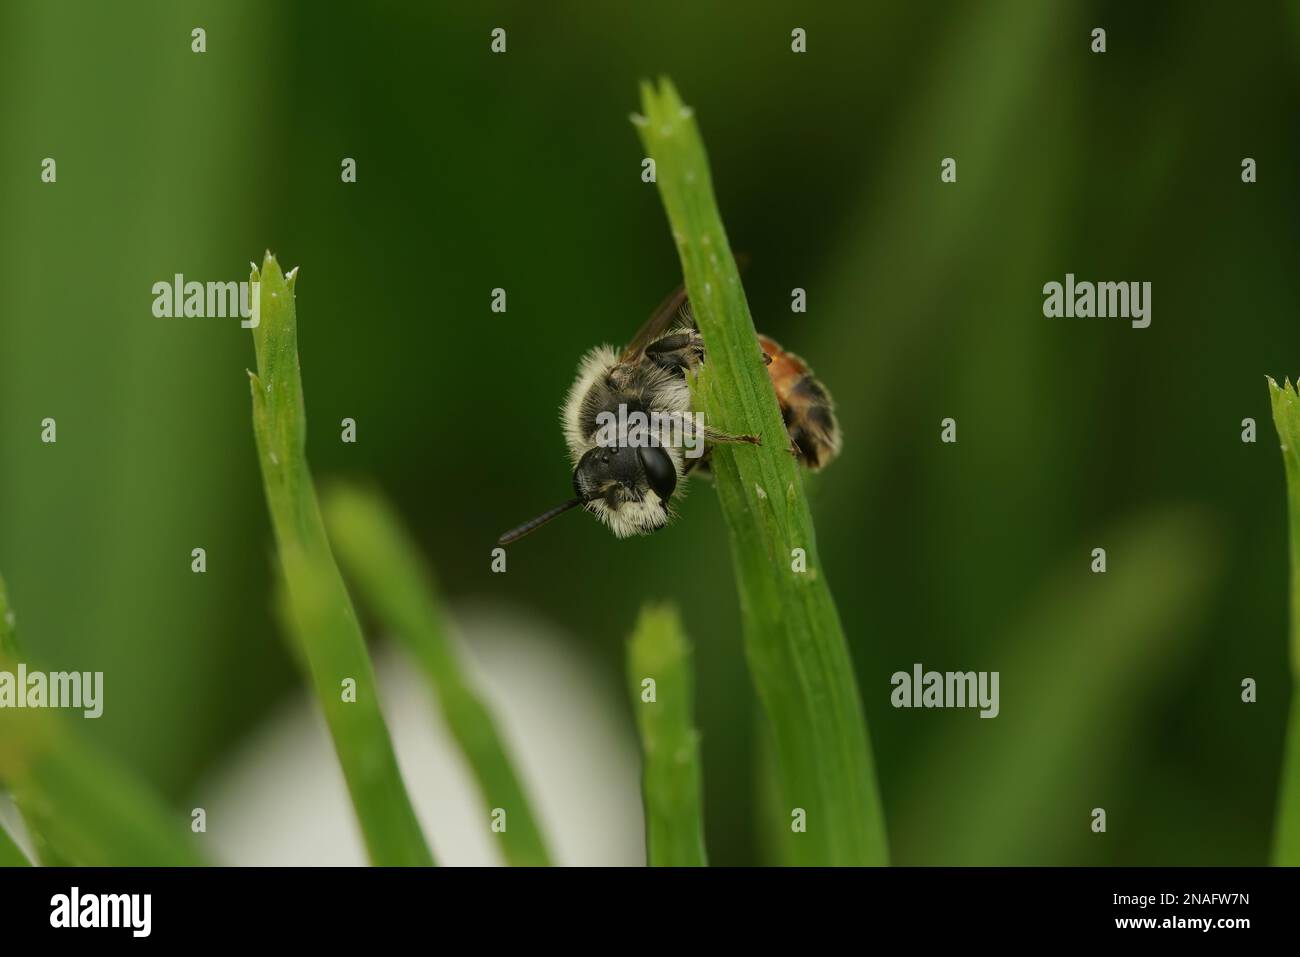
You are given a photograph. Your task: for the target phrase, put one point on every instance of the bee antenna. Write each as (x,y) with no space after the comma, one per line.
(533,525)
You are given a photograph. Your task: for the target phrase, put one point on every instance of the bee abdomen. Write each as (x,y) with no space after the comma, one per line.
(806,406)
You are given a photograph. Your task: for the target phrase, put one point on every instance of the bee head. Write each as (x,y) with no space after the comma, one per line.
(626,486)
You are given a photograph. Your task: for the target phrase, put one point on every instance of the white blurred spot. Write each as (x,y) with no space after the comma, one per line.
(282,800)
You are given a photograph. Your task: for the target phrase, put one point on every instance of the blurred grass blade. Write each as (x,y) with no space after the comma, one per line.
(321,609)
(670,783)
(79,807)
(90,812)
(795,644)
(10,854)
(386,567)
(1286,417)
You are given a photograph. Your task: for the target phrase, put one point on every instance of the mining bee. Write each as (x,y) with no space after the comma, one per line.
(632,436)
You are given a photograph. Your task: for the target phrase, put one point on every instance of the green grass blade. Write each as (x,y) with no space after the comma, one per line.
(322,612)
(386,567)
(794,641)
(1286,417)
(1286,828)
(670,783)
(80,807)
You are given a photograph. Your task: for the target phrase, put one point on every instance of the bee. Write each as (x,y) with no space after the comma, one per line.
(633,439)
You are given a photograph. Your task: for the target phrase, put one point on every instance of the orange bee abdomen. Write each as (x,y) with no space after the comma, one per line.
(785,368)
(806,406)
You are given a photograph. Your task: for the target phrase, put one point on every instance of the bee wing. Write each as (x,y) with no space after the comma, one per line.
(673,310)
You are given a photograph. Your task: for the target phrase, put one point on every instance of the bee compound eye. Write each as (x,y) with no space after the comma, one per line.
(659,470)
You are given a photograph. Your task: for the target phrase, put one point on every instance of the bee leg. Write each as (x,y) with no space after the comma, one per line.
(672,343)
(726,438)
(677,353)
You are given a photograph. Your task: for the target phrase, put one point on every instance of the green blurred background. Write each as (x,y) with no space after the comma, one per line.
(522,171)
